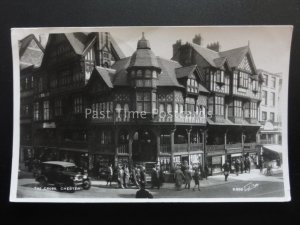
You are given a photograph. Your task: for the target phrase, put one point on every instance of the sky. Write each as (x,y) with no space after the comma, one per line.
(270,45)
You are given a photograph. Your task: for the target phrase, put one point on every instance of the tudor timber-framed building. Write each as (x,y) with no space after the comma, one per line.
(76,74)
(235,94)
(83,72)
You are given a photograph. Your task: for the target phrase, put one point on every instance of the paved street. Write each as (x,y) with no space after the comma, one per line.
(244,185)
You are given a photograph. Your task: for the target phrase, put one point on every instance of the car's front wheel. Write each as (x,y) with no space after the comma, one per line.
(86,185)
(43,182)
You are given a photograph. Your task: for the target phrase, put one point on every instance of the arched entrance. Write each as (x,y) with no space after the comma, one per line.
(144,146)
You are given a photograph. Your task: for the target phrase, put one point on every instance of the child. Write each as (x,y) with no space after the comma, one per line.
(196,178)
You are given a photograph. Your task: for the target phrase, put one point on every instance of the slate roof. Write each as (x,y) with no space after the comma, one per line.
(143,58)
(106,75)
(30,57)
(217,59)
(79,41)
(235,56)
(167,77)
(185,71)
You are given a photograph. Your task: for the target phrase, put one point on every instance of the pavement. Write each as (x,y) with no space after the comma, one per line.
(254,184)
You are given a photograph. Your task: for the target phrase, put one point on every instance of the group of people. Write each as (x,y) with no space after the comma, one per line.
(240,165)
(185,174)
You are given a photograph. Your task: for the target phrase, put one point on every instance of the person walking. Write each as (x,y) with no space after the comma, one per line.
(188,177)
(242,165)
(120,177)
(142,176)
(237,166)
(196,178)
(126,176)
(206,171)
(156,177)
(135,176)
(109,175)
(226,169)
(179,178)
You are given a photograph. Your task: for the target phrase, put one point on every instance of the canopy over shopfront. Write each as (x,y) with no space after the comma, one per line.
(272,152)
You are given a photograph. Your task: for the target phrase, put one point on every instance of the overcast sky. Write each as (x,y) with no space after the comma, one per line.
(270,45)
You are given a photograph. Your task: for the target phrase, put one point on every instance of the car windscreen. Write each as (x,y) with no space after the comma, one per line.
(72,169)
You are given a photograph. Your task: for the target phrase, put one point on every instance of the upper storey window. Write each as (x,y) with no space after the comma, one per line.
(220,77)
(192,85)
(148,74)
(139,73)
(243,79)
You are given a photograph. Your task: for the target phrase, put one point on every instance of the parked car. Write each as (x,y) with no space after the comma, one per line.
(65,176)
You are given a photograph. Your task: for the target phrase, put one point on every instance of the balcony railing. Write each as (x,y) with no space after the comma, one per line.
(123,149)
(210,148)
(196,147)
(181,147)
(235,145)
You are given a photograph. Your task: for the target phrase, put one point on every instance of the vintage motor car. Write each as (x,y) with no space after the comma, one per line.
(65,176)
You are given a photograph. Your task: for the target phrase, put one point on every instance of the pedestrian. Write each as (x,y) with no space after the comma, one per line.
(237,166)
(142,176)
(188,177)
(143,193)
(120,176)
(126,176)
(248,164)
(179,178)
(206,171)
(196,178)
(156,177)
(135,176)
(261,165)
(226,169)
(242,165)
(109,175)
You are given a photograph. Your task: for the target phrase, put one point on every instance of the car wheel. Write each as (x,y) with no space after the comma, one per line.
(86,185)
(71,188)
(58,187)
(43,182)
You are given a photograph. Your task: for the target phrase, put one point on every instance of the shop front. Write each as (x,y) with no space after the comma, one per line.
(215,164)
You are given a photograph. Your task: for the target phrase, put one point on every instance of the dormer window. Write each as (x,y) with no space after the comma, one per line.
(192,85)
(220,77)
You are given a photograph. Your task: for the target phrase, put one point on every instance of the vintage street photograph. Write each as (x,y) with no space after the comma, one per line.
(151,114)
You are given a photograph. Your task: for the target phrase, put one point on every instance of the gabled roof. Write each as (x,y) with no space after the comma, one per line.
(26,41)
(235,56)
(208,54)
(29,56)
(185,71)
(105,75)
(79,41)
(217,59)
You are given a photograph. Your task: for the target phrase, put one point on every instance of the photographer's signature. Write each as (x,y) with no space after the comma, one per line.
(248,187)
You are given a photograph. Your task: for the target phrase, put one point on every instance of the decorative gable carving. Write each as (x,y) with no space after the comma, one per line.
(245,65)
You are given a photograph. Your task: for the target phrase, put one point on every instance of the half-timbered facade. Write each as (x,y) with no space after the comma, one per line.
(235,94)
(93,106)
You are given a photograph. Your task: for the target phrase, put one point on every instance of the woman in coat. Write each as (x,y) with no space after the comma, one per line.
(126,176)
(179,178)
(188,177)
(120,177)
(197,179)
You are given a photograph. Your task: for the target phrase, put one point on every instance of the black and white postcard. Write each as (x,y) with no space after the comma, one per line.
(151,114)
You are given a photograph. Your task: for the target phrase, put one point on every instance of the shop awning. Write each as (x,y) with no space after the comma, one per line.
(273,148)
